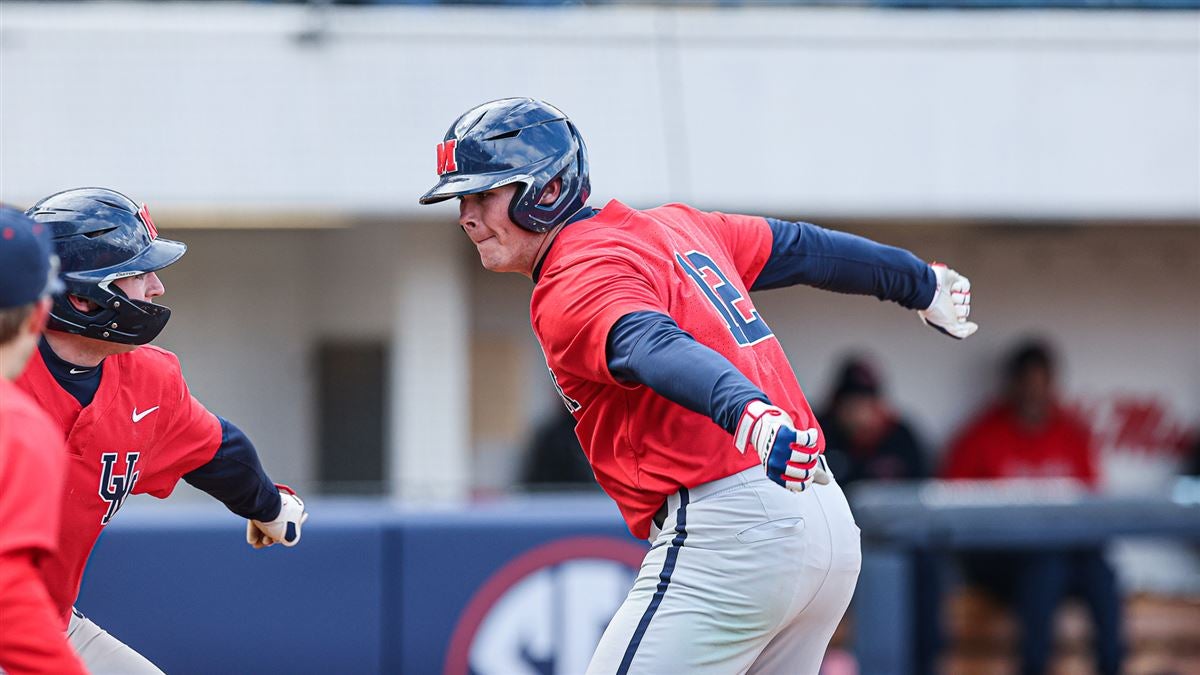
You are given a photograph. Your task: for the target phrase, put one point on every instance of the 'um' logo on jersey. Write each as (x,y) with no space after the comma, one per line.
(114,487)
(735,309)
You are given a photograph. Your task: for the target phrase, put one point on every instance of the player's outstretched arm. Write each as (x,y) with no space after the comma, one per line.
(651,349)
(809,255)
(803,253)
(235,476)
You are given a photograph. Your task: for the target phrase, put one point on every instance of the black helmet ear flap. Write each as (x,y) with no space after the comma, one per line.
(543,213)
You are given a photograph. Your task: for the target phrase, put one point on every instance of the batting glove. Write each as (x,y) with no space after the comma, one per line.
(951,304)
(785,453)
(285,529)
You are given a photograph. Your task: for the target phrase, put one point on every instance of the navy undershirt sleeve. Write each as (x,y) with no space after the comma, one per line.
(650,348)
(802,253)
(236,477)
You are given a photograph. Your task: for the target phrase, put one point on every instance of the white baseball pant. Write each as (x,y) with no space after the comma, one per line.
(743,577)
(102,653)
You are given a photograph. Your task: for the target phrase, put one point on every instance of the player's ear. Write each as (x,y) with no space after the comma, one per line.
(85,306)
(551,192)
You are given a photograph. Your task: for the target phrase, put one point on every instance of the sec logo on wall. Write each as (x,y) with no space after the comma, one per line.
(543,612)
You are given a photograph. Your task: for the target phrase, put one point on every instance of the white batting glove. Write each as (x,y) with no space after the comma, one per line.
(951,304)
(285,529)
(783,451)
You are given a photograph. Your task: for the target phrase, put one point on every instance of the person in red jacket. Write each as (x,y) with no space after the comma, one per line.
(1027,433)
(33,460)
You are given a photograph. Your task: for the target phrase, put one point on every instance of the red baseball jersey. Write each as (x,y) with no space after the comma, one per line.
(140,434)
(695,267)
(33,464)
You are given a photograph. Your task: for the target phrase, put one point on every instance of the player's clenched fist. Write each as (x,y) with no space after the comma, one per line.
(951,304)
(785,453)
(285,529)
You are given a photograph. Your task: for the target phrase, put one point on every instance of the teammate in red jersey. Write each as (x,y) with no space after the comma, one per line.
(681,392)
(131,425)
(33,460)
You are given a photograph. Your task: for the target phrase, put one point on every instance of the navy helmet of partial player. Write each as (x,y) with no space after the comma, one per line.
(100,236)
(515,140)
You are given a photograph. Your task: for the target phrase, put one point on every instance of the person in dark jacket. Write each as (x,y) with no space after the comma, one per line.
(865,438)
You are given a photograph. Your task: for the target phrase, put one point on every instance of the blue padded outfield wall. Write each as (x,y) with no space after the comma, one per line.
(514,587)
(523,587)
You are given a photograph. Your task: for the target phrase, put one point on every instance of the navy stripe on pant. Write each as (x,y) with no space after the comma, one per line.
(664,580)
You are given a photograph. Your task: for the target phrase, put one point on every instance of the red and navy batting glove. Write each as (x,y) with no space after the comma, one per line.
(285,529)
(787,454)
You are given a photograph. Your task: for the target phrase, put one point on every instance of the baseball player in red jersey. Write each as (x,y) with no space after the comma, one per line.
(33,460)
(685,403)
(132,427)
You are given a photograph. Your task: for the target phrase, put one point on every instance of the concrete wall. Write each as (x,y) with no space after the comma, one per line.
(831,111)
(1119,301)
(250,308)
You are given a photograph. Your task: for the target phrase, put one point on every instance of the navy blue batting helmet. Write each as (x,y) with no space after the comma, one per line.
(515,140)
(101,236)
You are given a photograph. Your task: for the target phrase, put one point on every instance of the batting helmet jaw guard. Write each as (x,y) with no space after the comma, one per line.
(515,140)
(100,236)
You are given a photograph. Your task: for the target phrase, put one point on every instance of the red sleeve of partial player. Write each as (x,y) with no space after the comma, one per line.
(191,441)
(32,639)
(576,303)
(749,239)
(33,464)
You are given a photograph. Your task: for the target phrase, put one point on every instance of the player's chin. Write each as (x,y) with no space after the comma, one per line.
(492,263)
(118,348)
(112,348)
(494,260)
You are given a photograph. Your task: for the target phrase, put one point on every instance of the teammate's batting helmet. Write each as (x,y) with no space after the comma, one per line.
(101,236)
(515,140)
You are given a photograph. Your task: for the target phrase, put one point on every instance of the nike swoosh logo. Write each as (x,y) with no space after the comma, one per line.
(137,416)
(75,371)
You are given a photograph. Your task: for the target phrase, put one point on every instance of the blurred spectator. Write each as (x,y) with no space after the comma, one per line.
(1027,433)
(1191,463)
(866,439)
(555,457)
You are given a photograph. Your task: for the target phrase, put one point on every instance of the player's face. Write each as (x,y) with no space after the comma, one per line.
(143,287)
(90,351)
(502,244)
(1033,393)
